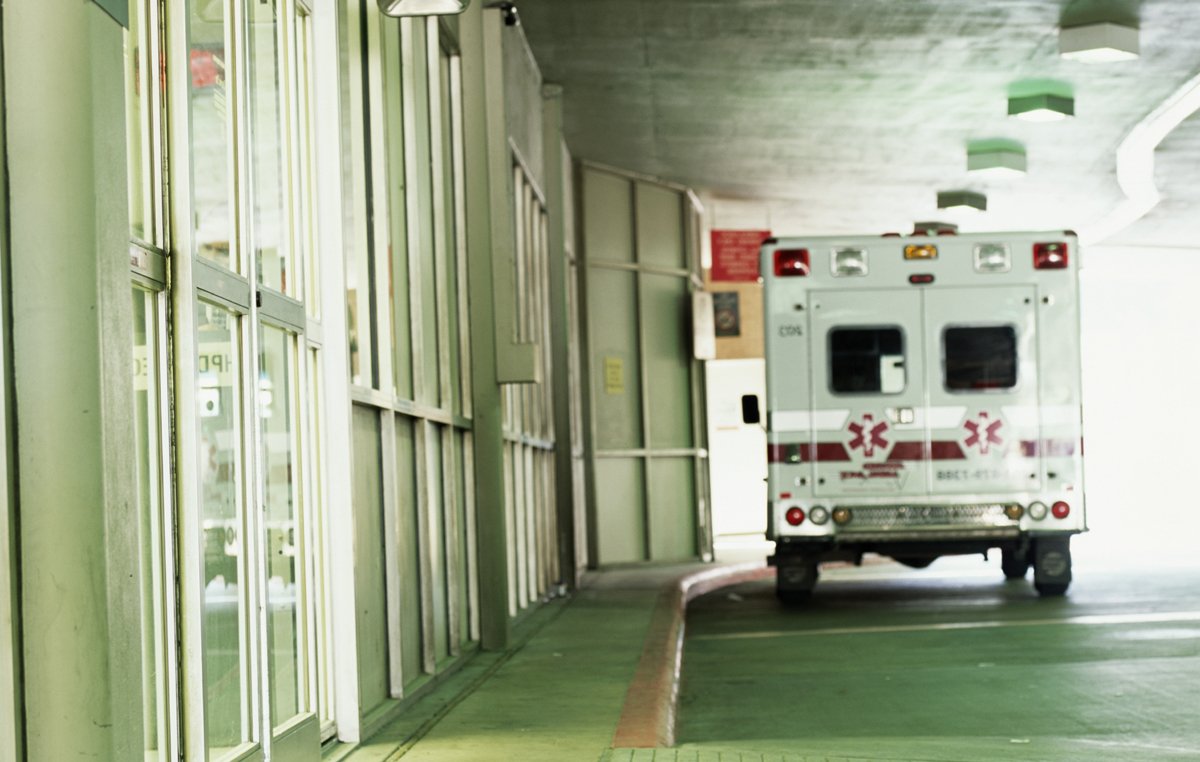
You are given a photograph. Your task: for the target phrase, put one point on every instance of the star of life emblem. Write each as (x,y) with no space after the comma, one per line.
(868,435)
(983,432)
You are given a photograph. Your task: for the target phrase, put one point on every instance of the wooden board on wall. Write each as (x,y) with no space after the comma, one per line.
(749,344)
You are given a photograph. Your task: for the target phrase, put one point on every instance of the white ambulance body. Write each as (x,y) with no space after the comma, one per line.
(923,399)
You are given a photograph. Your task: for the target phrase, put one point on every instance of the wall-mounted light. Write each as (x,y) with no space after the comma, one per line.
(1044,107)
(996,158)
(962,199)
(1098,43)
(423,7)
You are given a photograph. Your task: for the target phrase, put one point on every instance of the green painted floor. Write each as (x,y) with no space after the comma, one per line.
(947,664)
(557,698)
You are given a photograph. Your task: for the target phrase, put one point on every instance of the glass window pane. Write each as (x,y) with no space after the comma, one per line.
(306,252)
(980,357)
(211,130)
(450,231)
(866,360)
(402,360)
(146,380)
(425,224)
(137,109)
(221,513)
(276,411)
(270,228)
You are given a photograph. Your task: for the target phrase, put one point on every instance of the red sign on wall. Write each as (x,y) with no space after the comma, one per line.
(735,254)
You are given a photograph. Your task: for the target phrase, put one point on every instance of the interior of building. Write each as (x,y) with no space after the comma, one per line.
(374,377)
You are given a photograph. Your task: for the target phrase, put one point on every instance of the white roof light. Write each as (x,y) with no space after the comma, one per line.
(962,199)
(1098,43)
(422,7)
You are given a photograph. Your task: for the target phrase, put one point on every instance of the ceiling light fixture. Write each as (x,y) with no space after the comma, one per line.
(996,158)
(962,199)
(423,7)
(1044,107)
(1098,43)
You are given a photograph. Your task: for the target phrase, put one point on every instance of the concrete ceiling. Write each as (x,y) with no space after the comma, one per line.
(849,115)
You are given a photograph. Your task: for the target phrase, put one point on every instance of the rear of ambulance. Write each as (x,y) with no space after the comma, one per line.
(923,399)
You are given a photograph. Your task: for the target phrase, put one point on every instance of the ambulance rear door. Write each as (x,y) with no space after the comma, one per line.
(982,378)
(867,360)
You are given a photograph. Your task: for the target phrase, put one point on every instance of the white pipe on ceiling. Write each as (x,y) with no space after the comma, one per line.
(1135,162)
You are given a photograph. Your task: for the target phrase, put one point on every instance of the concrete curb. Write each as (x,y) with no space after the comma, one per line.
(652,702)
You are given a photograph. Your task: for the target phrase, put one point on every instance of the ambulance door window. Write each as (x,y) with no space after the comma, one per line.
(980,357)
(866,360)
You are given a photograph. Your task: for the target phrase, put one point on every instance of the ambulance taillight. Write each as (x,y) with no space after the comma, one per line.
(1060,510)
(794,516)
(791,262)
(1049,256)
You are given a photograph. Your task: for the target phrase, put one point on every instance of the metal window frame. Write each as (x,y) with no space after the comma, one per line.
(691,211)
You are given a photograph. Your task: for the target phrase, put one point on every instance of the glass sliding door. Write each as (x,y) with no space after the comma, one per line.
(244,220)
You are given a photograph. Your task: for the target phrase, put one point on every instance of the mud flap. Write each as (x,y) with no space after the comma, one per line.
(1052,564)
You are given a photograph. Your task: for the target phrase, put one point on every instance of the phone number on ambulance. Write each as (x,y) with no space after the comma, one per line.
(964,474)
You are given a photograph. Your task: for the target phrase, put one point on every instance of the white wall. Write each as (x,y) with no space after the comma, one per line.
(737,457)
(1141,373)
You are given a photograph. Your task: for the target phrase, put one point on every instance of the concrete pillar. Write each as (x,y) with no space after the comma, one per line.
(72,380)
(495,629)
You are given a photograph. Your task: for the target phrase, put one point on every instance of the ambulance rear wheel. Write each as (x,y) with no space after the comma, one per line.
(794,581)
(1015,565)
(1052,564)
(1051,589)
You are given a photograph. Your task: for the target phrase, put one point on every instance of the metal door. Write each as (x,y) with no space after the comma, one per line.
(868,433)
(983,389)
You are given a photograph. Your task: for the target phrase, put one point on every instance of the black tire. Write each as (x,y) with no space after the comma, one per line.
(793,597)
(794,581)
(1051,589)
(916,562)
(1015,565)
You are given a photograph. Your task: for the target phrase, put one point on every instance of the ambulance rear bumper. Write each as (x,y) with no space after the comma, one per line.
(952,541)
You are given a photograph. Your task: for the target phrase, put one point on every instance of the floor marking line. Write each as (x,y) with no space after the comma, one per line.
(1091,619)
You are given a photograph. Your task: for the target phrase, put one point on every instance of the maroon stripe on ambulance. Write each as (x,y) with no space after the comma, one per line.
(806,453)
(777,453)
(826,451)
(907,451)
(946,451)
(1048,447)
(918,451)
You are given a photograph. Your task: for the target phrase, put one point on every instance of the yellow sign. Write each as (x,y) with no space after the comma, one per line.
(614,375)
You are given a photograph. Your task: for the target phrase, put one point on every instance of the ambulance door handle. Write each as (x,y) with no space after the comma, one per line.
(901,414)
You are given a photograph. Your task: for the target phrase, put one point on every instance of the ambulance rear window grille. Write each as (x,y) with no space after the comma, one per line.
(887,516)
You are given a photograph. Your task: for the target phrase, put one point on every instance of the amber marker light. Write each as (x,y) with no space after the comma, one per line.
(1014,511)
(920,251)
(841,516)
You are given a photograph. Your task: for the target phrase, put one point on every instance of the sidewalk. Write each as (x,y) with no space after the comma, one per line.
(559,694)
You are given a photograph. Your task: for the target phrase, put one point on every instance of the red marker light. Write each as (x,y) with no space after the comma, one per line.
(791,262)
(1060,510)
(794,516)
(1049,256)
(918,279)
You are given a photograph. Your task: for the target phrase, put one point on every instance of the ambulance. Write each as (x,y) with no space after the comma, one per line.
(923,400)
